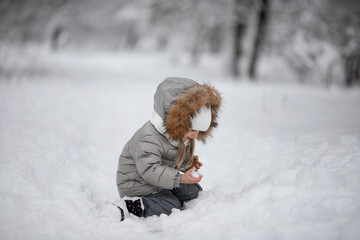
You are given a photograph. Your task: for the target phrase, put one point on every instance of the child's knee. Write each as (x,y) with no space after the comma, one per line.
(162,203)
(171,202)
(194,190)
(168,205)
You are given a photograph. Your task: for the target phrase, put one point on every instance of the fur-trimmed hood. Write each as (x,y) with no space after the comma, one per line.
(177,99)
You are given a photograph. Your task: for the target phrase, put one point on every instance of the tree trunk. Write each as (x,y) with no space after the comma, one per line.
(259,38)
(239,30)
(238,27)
(352,69)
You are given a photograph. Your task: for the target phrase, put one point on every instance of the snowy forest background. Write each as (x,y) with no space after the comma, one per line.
(77,79)
(311,41)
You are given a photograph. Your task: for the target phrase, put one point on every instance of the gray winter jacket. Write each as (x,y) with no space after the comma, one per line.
(147,162)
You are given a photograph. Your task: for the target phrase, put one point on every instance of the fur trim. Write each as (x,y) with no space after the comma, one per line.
(186,105)
(158,123)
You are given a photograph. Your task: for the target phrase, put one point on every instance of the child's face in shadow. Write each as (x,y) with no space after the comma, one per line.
(190,135)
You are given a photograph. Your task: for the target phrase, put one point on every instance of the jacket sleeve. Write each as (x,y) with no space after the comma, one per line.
(148,160)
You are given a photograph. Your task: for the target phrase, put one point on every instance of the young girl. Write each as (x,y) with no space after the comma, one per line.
(155,167)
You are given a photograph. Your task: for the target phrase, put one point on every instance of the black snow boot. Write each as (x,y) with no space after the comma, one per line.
(129,205)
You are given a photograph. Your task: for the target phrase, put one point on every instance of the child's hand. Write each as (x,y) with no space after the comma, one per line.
(197,164)
(186,178)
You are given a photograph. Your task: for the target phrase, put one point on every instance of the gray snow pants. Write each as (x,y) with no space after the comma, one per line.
(165,200)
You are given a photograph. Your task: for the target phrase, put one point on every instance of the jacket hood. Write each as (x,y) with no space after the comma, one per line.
(178,99)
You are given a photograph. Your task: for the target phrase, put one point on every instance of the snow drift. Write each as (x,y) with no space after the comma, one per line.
(283,164)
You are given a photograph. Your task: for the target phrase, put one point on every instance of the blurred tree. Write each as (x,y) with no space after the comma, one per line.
(314,36)
(344,32)
(25,21)
(239,27)
(339,24)
(352,69)
(192,25)
(306,38)
(260,36)
(239,23)
(57,37)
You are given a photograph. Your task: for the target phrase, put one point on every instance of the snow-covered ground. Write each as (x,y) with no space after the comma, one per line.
(283,164)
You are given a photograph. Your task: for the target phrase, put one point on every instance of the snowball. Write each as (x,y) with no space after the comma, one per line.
(195,174)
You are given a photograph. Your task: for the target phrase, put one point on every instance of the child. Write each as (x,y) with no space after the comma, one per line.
(154,171)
